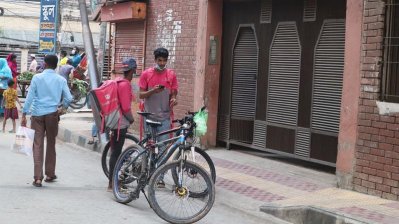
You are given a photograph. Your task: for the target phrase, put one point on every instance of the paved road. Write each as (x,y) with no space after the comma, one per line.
(79,195)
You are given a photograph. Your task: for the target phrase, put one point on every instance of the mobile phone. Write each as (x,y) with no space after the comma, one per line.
(161,86)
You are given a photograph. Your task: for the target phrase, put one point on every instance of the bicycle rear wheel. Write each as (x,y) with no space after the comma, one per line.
(125,181)
(106,154)
(79,99)
(173,203)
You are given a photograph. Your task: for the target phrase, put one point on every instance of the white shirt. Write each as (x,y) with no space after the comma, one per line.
(33,65)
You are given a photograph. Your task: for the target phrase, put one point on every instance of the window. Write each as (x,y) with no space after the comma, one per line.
(390,81)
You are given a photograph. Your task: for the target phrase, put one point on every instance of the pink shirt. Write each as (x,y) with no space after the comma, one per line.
(158,103)
(150,78)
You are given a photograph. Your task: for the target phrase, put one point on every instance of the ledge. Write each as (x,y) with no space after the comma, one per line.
(385,108)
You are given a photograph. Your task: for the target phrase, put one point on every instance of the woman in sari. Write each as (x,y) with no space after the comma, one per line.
(5,75)
(12,64)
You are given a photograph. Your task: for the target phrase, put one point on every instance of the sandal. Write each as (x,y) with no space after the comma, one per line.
(91,142)
(50,179)
(36,183)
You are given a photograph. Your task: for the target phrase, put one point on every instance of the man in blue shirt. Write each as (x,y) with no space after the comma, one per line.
(76,57)
(45,94)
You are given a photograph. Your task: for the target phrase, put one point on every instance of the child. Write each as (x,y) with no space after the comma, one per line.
(10,111)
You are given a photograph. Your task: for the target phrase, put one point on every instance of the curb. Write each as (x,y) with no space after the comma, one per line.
(66,135)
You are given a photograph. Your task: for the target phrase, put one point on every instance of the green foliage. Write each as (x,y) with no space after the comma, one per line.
(26,76)
(80,85)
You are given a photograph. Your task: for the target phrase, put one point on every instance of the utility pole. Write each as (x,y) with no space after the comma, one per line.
(89,46)
(102,50)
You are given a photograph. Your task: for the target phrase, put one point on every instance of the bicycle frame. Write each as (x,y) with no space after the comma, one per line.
(167,153)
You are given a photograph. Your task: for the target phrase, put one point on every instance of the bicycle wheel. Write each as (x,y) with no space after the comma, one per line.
(106,154)
(79,100)
(125,181)
(199,157)
(174,204)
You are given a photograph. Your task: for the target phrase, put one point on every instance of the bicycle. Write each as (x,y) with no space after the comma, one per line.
(198,155)
(79,90)
(183,180)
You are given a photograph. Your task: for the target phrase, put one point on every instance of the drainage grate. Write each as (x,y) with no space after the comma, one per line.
(308,215)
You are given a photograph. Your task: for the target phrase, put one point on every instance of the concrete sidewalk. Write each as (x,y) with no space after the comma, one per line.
(249,181)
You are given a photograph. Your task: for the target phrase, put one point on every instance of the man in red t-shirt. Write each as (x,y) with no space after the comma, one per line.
(158,88)
(125,99)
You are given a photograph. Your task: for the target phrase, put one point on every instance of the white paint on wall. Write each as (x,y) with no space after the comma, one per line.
(385,108)
(168,31)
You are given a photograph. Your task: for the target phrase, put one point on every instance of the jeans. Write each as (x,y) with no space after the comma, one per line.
(116,147)
(94,130)
(165,126)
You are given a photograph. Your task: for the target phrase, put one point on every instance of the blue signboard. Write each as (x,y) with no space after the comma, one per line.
(48,26)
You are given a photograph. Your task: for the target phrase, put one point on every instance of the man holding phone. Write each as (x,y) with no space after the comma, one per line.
(158,88)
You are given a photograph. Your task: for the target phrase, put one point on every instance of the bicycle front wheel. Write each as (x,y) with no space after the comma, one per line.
(199,157)
(106,154)
(171,201)
(126,176)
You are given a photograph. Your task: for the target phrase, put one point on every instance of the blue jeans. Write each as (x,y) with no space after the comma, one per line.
(165,126)
(94,130)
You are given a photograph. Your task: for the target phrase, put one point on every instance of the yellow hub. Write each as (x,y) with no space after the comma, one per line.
(181,191)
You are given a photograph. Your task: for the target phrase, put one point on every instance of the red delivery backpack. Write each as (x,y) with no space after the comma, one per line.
(105,106)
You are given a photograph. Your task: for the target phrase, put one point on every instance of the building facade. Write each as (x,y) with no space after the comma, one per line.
(376,162)
(310,79)
(19,29)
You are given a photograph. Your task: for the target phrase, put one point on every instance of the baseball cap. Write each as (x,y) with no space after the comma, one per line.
(129,64)
(33,55)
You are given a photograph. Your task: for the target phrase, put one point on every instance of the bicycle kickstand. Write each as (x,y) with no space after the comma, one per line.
(145,195)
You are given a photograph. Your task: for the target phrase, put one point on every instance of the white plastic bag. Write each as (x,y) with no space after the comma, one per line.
(24,141)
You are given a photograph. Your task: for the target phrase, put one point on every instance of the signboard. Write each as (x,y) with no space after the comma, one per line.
(48,26)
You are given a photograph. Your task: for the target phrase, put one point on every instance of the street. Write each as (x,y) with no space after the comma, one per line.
(79,195)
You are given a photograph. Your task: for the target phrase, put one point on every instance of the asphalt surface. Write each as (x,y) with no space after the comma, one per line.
(79,195)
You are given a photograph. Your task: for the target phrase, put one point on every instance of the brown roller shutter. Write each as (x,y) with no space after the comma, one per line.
(129,42)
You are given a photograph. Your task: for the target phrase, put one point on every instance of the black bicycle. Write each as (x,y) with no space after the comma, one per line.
(193,153)
(179,191)
(106,154)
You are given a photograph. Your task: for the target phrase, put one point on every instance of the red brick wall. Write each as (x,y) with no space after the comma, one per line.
(173,24)
(377,155)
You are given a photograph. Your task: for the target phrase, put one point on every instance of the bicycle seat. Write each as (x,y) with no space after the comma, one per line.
(152,123)
(144,114)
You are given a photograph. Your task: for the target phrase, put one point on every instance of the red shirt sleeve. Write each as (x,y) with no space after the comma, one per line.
(143,84)
(174,84)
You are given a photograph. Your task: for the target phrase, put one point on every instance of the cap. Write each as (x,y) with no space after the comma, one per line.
(129,64)
(33,55)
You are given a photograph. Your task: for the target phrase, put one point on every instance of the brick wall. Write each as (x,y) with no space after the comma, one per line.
(173,24)
(377,154)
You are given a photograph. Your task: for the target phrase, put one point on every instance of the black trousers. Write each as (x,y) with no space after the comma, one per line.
(116,148)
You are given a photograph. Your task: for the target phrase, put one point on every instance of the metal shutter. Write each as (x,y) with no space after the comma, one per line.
(129,42)
(285,63)
(328,74)
(266,11)
(309,10)
(259,139)
(4,52)
(224,127)
(245,70)
(302,142)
